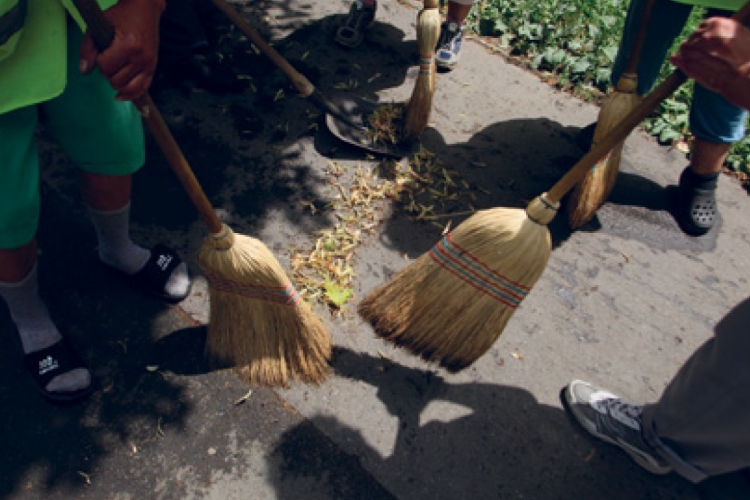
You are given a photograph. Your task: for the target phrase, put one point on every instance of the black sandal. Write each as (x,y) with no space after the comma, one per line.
(696,202)
(153,277)
(53,361)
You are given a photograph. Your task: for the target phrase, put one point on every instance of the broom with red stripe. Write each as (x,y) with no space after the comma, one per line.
(452,303)
(258,323)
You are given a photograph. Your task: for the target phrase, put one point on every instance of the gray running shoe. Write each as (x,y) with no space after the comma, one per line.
(615,421)
(360,19)
(449,45)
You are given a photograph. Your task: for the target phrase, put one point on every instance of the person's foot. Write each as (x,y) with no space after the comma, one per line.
(449,45)
(360,18)
(59,374)
(162,274)
(613,420)
(696,210)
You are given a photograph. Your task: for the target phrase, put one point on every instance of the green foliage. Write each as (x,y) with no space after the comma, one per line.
(576,41)
(336,295)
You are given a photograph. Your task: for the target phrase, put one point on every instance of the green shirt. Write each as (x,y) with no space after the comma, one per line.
(731,5)
(35,70)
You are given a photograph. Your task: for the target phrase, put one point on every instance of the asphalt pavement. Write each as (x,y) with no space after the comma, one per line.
(623,301)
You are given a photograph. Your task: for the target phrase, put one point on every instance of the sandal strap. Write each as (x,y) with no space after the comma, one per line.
(52,361)
(158,269)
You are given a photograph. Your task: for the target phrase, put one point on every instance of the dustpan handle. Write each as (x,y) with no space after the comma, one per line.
(299,81)
(103,34)
(623,129)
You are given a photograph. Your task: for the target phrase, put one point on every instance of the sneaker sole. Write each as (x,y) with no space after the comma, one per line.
(569,402)
(444,65)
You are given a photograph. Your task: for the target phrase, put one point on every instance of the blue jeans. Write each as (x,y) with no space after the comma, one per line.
(712,118)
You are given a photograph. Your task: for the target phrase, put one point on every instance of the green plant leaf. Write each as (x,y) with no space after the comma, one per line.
(336,295)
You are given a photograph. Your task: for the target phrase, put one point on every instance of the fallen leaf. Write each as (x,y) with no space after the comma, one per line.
(336,295)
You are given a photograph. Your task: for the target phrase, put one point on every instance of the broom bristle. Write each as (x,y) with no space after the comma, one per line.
(258,322)
(591,193)
(420,105)
(452,303)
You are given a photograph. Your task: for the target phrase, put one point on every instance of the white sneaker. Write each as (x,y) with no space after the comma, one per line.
(615,421)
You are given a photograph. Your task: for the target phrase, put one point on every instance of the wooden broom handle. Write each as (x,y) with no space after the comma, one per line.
(640,37)
(299,81)
(621,131)
(103,34)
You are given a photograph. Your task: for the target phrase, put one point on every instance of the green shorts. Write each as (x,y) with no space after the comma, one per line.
(98,133)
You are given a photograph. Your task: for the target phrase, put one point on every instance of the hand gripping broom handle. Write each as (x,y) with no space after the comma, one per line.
(628,123)
(302,84)
(103,34)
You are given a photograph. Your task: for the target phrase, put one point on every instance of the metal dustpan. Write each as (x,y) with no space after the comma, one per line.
(355,129)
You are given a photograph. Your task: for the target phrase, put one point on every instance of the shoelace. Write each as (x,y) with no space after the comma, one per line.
(448,34)
(616,412)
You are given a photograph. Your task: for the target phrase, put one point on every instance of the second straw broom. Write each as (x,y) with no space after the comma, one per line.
(452,303)
(258,322)
(419,107)
(594,189)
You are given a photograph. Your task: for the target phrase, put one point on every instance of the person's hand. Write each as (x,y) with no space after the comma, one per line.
(130,60)
(717,56)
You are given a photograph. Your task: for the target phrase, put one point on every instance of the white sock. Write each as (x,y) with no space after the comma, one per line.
(36,329)
(116,249)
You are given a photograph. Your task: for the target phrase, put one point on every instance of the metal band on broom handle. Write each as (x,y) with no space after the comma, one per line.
(103,34)
(623,129)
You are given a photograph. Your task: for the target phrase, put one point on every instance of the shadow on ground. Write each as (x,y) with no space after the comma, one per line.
(56,448)
(509,163)
(507,444)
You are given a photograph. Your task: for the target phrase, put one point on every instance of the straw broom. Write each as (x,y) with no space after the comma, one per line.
(452,303)
(591,193)
(258,323)
(419,106)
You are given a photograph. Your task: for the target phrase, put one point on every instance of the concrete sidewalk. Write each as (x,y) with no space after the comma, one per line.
(623,302)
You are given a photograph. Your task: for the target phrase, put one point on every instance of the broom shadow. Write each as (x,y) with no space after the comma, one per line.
(482,444)
(183,352)
(504,167)
(641,209)
(515,170)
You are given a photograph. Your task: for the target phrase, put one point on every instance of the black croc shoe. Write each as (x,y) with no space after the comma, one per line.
(696,202)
